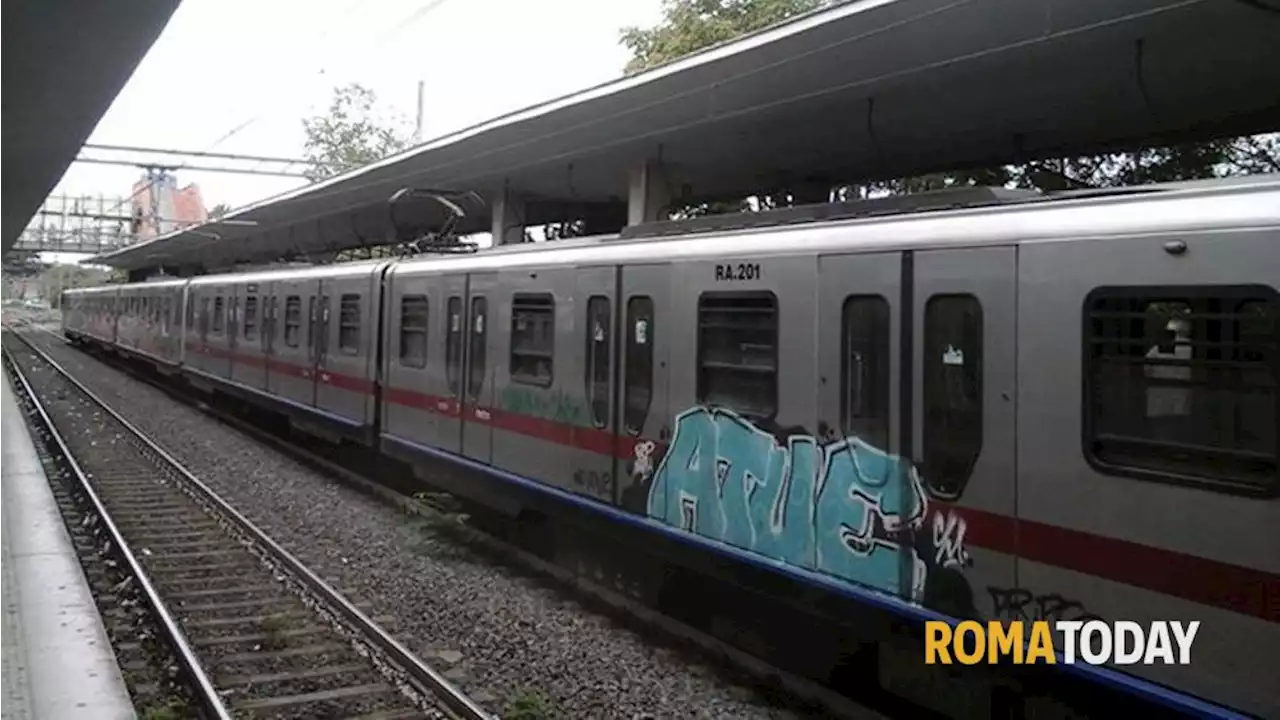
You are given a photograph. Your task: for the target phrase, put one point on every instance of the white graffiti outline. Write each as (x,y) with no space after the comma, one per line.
(948,540)
(899,526)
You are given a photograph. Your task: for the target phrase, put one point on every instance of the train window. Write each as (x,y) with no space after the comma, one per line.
(272,321)
(189,306)
(479,335)
(597,368)
(738,352)
(204,317)
(251,317)
(313,326)
(453,347)
(292,320)
(952,392)
(864,369)
(349,324)
(217,315)
(1181,384)
(413,330)
(533,320)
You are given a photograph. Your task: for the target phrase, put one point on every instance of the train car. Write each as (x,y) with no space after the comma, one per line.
(1028,409)
(302,341)
(1036,410)
(149,326)
(83,310)
(89,314)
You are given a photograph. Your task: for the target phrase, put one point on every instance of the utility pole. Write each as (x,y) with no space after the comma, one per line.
(417,128)
(153,176)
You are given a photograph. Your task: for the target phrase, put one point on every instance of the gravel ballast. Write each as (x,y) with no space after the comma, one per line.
(493,630)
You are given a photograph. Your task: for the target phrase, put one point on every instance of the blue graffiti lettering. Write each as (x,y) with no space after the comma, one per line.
(843,508)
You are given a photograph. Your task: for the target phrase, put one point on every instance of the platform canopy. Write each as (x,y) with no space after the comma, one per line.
(64,63)
(863,90)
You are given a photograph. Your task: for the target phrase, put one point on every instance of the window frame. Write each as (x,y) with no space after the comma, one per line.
(599,417)
(878,371)
(424,312)
(454,338)
(700,389)
(1241,293)
(477,351)
(296,325)
(546,305)
(931,474)
(647,380)
(250,320)
(345,325)
(219,315)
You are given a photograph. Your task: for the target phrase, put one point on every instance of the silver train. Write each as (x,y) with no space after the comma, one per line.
(1052,408)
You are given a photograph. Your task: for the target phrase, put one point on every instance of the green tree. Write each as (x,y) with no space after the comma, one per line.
(349,135)
(59,277)
(691,25)
(218,211)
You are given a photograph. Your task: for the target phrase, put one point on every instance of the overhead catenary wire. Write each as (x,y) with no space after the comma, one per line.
(409,20)
(198,153)
(200,168)
(360,50)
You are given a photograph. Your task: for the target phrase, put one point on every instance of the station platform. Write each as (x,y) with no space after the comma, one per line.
(58,662)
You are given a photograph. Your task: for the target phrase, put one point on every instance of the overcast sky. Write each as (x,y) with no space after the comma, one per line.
(263,66)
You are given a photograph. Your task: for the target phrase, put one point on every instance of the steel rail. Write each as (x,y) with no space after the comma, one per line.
(207,694)
(426,680)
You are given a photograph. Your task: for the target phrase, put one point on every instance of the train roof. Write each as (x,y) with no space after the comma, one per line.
(316,272)
(1006,219)
(965,216)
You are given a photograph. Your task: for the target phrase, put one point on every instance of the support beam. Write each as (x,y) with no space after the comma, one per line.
(509,213)
(648,195)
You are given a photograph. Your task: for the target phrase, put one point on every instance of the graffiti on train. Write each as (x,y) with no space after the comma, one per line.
(842,507)
(1025,605)
(593,482)
(552,405)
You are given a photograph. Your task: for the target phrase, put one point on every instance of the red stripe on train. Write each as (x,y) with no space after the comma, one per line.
(1239,589)
(1232,587)
(1209,582)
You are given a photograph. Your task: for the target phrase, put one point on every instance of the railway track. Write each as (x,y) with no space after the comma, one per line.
(446,515)
(256,634)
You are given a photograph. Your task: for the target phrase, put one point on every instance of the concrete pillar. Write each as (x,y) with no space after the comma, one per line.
(508,218)
(648,194)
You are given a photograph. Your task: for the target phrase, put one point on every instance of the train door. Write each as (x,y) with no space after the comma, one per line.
(235,305)
(592,366)
(343,378)
(291,370)
(414,402)
(270,326)
(964,424)
(858,431)
(318,312)
(268,307)
(453,288)
(221,329)
(477,405)
(248,366)
(644,346)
